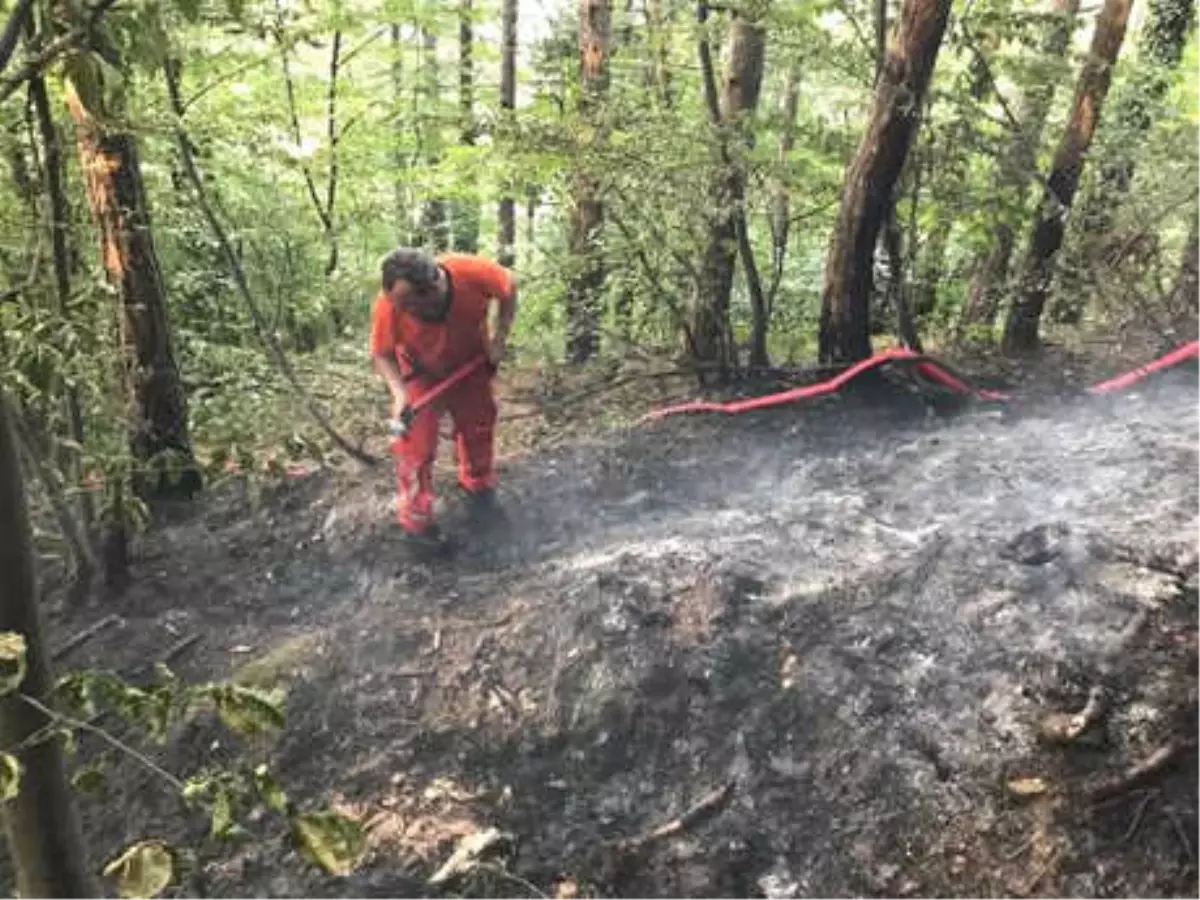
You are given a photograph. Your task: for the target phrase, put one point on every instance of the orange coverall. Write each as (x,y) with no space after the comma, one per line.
(427,353)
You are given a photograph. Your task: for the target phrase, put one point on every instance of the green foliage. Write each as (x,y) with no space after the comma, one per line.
(10,777)
(330,840)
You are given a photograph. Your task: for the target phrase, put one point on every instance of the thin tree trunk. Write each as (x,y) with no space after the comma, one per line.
(871,178)
(660,38)
(1135,107)
(60,224)
(466,210)
(171,72)
(1017,168)
(1186,291)
(399,191)
(333,136)
(508,103)
(728,232)
(434,227)
(40,823)
(587,214)
(781,204)
(1021,328)
(117,198)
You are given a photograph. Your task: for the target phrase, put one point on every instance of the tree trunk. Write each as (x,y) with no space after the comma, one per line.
(587,215)
(40,823)
(1186,291)
(660,42)
(399,191)
(466,210)
(508,103)
(112,171)
(728,234)
(434,227)
(333,136)
(871,179)
(781,203)
(60,225)
(1134,109)
(1021,329)
(1017,169)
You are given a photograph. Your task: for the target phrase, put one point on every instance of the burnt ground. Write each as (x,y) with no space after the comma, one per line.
(856,615)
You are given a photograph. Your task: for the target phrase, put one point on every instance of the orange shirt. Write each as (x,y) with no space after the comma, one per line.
(433,350)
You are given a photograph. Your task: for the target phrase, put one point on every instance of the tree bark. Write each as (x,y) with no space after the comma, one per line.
(728,234)
(466,210)
(871,178)
(41,825)
(1021,328)
(1017,169)
(112,171)
(508,103)
(587,214)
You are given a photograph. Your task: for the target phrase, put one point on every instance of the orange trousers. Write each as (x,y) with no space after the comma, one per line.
(472,409)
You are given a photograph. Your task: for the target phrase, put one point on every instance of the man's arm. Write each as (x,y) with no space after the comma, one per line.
(504,320)
(389,370)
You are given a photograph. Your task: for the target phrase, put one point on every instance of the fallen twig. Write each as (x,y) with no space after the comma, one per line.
(705,808)
(1138,815)
(1151,765)
(1180,832)
(84,636)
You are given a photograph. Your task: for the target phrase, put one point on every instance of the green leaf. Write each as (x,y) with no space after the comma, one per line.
(12,661)
(196,788)
(222,813)
(89,780)
(248,711)
(332,841)
(269,790)
(143,870)
(11,771)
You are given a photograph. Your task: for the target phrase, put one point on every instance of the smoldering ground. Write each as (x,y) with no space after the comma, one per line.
(854,619)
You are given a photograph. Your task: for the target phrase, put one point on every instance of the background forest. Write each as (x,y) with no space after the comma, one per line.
(196,196)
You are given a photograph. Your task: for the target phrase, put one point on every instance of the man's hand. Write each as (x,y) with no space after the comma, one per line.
(399,407)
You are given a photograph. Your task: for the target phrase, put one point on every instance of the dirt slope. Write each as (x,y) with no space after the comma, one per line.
(839,611)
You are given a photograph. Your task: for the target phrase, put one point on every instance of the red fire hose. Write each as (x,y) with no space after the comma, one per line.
(930,368)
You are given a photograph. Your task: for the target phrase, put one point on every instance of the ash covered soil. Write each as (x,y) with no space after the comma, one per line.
(849,621)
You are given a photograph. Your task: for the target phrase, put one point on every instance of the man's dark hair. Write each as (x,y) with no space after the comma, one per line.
(409,264)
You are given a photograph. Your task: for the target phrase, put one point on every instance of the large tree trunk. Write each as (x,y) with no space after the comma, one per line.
(1021,329)
(587,215)
(1134,109)
(508,102)
(871,178)
(466,210)
(40,823)
(728,235)
(118,202)
(1017,168)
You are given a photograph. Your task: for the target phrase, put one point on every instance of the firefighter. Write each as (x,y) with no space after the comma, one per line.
(429,320)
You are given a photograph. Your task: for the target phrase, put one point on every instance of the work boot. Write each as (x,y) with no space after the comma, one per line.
(428,545)
(484,510)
